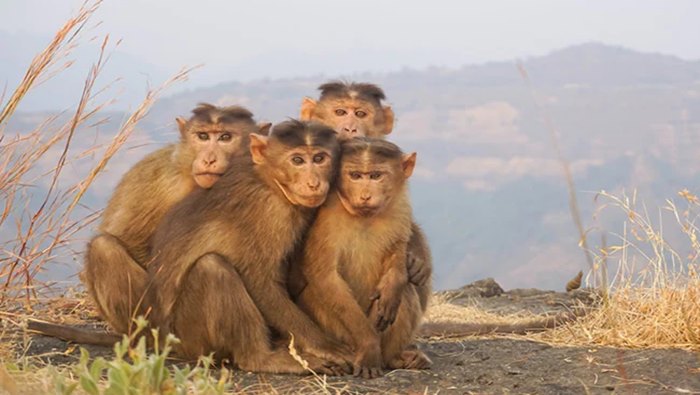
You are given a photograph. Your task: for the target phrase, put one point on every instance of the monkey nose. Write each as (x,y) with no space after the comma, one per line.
(365,198)
(349,130)
(313,184)
(210,160)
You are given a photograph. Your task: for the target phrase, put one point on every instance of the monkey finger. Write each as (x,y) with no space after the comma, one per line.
(391,319)
(411,267)
(420,276)
(375,295)
(381,324)
(376,372)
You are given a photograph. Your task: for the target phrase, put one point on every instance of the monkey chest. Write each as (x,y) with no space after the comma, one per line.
(360,265)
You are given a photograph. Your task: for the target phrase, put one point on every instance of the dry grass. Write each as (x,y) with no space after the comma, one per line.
(42,210)
(441,310)
(653,301)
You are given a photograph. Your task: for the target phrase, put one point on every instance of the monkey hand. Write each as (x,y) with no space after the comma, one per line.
(368,361)
(385,302)
(418,270)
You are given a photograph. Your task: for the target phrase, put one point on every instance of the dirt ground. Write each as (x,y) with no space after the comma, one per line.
(489,365)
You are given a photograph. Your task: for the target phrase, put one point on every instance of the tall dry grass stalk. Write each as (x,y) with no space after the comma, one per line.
(653,299)
(39,214)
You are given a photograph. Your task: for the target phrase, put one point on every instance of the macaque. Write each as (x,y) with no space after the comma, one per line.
(116,259)
(354,260)
(218,276)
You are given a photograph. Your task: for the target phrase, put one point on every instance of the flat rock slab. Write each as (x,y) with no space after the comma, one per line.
(487,366)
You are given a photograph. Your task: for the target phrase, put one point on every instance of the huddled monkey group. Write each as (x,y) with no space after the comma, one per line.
(240,236)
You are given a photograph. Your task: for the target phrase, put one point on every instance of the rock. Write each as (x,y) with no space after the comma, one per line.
(485,288)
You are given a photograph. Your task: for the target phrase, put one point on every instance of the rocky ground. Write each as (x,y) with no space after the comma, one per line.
(493,365)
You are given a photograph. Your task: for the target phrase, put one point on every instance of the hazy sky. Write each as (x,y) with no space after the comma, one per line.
(242,40)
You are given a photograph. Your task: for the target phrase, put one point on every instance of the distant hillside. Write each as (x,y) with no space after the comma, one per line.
(488,188)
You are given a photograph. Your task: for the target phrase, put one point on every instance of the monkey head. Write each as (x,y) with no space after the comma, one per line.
(372,172)
(213,135)
(299,158)
(351,109)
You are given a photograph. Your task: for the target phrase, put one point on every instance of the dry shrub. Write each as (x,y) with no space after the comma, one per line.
(653,300)
(41,211)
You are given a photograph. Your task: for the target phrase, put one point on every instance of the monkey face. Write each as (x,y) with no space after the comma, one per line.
(368,182)
(350,117)
(365,189)
(304,176)
(299,158)
(213,145)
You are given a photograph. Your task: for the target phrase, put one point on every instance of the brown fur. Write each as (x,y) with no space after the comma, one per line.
(354,260)
(116,258)
(219,255)
(379,122)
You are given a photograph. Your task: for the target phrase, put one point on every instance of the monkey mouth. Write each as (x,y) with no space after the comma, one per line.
(207,179)
(300,199)
(311,200)
(366,211)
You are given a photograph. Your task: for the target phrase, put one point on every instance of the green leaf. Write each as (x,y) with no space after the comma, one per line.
(89,385)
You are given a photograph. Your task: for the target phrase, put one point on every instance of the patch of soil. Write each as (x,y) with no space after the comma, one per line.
(489,365)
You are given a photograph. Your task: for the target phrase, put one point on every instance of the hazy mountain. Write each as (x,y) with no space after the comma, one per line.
(489,189)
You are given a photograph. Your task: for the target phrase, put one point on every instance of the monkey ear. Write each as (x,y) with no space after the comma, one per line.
(308,105)
(408,163)
(258,144)
(388,119)
(181,124)
(264,128)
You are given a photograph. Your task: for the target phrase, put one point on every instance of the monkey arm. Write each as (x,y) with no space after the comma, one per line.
(388,294)
(272,298)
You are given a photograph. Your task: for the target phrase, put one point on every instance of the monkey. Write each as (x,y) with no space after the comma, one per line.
(356,110)
(114,271)
(218,275)
(352,109)
(354,261)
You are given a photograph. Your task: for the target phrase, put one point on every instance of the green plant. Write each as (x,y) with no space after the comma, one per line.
(134,370)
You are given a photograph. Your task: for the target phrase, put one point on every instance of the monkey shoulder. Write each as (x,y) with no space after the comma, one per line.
(144,193)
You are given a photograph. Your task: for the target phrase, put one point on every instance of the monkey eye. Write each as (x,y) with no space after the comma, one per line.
(375,175)
(319,158)
(225,137)
(297,160)
(203,136)
(360,114)
(355,175)
(340,112)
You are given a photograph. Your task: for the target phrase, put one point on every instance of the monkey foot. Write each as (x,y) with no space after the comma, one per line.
(321,366)
(411,359)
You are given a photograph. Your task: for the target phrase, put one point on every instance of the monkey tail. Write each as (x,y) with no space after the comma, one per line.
(460,329)
(74,334)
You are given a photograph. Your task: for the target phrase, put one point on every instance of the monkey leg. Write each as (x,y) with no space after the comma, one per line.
(114,280)
(419,265)
(215,313)
(397,350)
